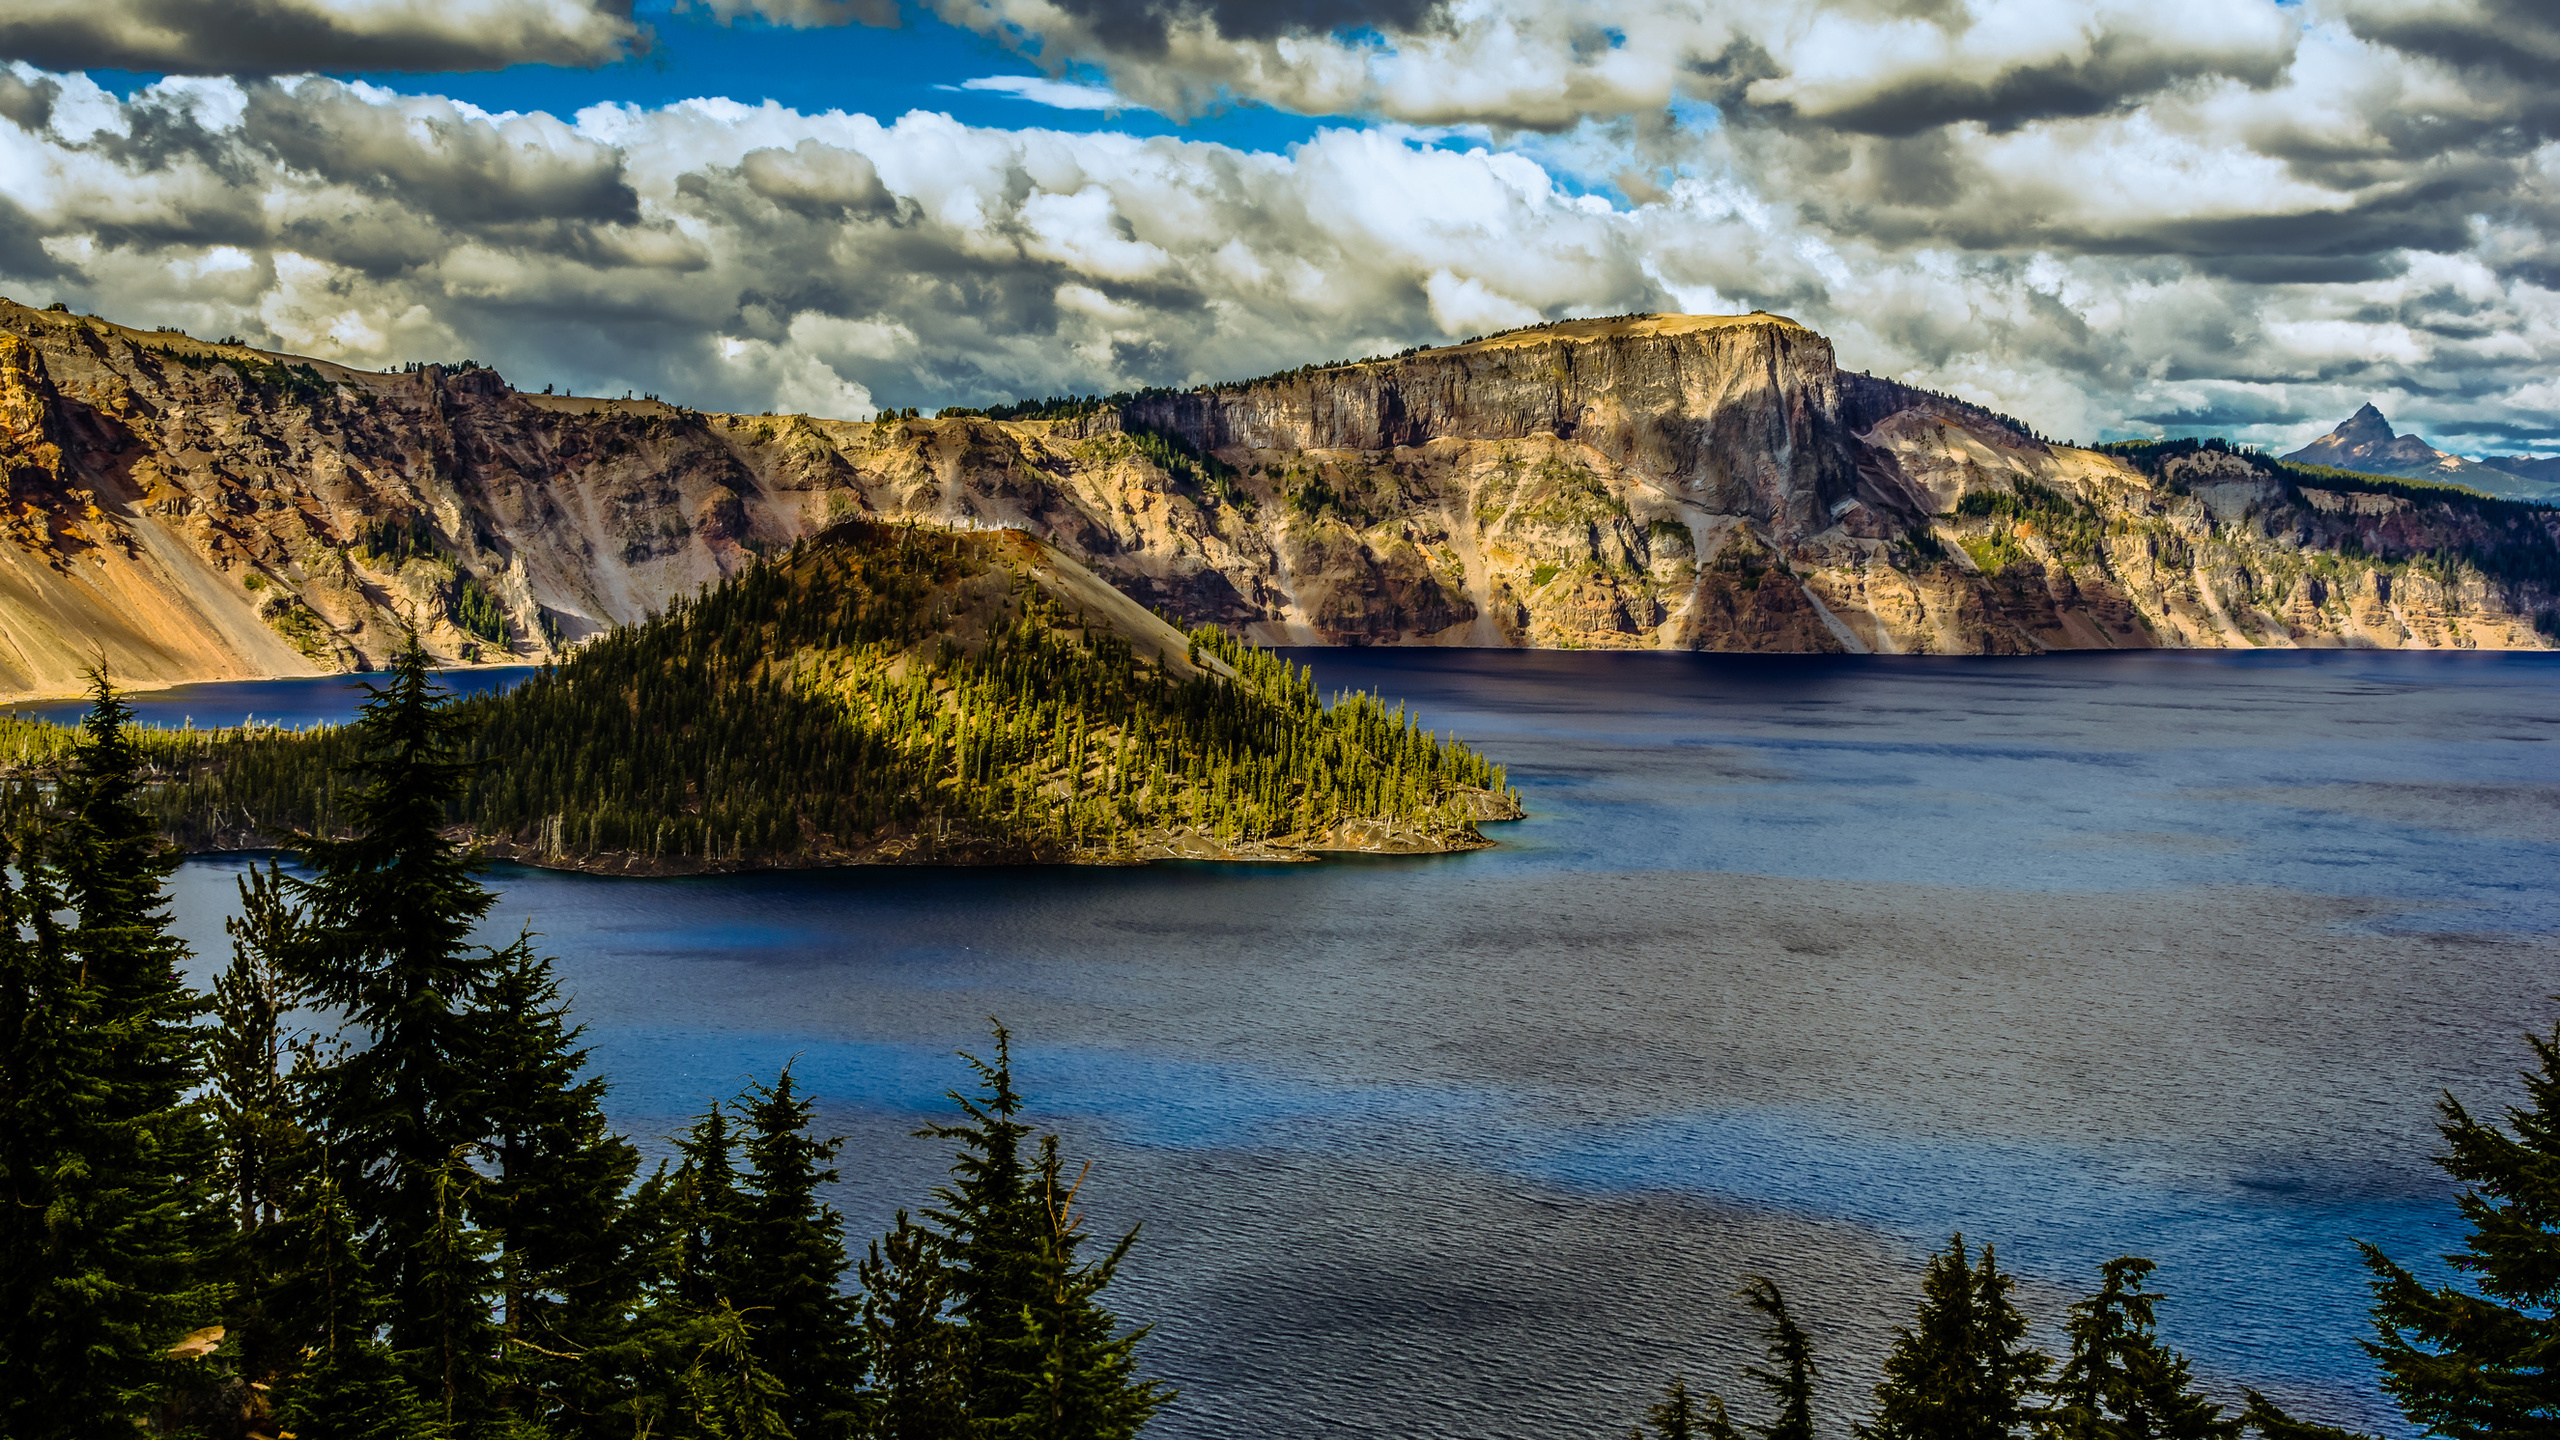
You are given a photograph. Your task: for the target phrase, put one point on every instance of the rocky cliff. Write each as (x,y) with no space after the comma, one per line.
(187,510)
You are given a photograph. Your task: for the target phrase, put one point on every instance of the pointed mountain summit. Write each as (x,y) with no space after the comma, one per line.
(2365,427)
(2365,442)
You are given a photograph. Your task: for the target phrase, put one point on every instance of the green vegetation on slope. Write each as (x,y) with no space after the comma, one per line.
(884,693)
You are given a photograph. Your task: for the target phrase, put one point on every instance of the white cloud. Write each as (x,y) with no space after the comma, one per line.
(1056,94)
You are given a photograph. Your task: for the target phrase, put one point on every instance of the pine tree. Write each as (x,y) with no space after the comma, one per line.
(1088,1387)
(2120,1382)
(1961,1370)
(990,1237)
(107,1228)
(2484,1359)
(349,1387)
(2269,1420)
(1788,1377)
(1675,1417)
(707,1207)
(568,1274)
(51,1079)
(1682,1416)
(791,1263)
(265,1156)
(914,1352)
(390,909)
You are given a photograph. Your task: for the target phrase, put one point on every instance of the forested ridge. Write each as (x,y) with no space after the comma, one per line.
(883,693)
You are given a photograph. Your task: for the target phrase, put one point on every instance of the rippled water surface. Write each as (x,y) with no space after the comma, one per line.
(1798,965)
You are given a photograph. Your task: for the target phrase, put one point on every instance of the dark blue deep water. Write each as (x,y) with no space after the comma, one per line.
(1799,965)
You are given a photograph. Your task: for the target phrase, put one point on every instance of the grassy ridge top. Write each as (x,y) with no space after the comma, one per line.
(887,694)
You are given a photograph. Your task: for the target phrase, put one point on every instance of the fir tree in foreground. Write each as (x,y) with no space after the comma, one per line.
(1786,1376)
(1041,1357)
(104,1221)
(2120,1382)
(2483,1359)
(1961,1370)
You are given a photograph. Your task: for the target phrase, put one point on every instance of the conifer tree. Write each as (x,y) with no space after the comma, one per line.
(2483,1358)
(1675,1417)
(706,1207)
(1788,1376)
(1961,1370)
(990,1238)
(106,1227)
(265,1156)
(2119,1381)
(50,1080)
(2266,1418)
(390,908)
(1089,1387)
(913,1351)
(727,1392)
(1682,1416)
(554,1197)
(791,1262)
(1043,1357)
(349,1386)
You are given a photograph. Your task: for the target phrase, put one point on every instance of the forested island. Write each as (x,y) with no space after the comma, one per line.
(366,1190)
(882,694)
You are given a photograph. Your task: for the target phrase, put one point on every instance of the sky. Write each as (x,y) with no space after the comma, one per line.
(2111,218)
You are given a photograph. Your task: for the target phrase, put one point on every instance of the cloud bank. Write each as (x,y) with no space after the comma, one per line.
(2108,218)
(284,37)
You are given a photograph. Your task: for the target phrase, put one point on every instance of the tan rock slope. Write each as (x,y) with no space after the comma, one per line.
(185,510)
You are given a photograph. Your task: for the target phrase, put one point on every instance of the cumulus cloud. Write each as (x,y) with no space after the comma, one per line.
(2204,223)
(284,37)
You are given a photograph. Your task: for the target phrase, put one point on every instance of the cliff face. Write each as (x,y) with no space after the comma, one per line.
(195,511)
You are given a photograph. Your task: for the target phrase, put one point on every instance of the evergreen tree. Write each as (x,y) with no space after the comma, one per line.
(106,1226)
(1088,1366)
(707,1206)
(914,1351)
(50,1080)
(264,1155)
(791,1264)
(991,1239)
(1682,1416)
(1961,1370)
(568,1272)
(1043,1357)
(1676,1416)
(727,1392)
(2269,1420)
(349,1387)
(390,908)
(2120,1382)
(2484,1360)
(1788,1377)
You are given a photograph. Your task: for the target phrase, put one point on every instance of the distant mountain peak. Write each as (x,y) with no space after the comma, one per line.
(2365,427)
(2365,442)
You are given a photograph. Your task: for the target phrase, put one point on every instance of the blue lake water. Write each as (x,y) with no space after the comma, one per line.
(291,704)
(1798,965)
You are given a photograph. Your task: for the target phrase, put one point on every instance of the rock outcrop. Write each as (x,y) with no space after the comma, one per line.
(185,510)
